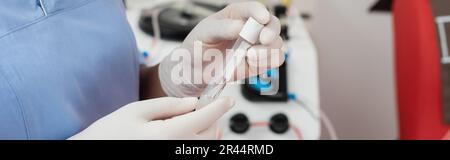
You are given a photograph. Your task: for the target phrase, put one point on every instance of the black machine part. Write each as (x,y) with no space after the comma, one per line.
(239,123)
(175,23)
(382,6)
(279,123)
(254,95)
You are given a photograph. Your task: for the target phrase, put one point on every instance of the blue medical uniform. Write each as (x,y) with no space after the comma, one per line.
(63,65)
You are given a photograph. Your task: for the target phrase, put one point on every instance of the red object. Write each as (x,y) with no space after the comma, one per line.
(417,63)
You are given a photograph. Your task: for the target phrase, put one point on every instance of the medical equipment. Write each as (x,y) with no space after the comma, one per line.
(175,24)
(175,20)
(328,125)
(267,87)
(239,123)
(248,36)
(278,124)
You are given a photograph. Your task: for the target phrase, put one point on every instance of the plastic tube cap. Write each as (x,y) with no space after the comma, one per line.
(251,30)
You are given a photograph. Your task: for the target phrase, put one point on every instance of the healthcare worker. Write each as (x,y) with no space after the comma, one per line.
(69,70)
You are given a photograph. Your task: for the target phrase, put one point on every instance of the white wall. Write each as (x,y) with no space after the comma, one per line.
(356,68)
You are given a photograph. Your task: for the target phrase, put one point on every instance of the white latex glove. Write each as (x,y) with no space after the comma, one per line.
(161,118)
(219,31)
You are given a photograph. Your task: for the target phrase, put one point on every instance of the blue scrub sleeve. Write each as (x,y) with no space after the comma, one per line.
(12,124)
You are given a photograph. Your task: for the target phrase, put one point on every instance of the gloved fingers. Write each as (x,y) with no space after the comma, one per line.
(259,59)
(209,134)
(162,108)
(266,57)
(202,119)
(270,32)
(275,61)
(244,10)
(219,30)
(260,52)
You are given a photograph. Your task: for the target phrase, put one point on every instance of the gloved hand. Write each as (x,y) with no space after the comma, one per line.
(219,31)
(161,118)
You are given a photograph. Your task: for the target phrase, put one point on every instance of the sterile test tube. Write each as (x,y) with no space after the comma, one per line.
(248,36)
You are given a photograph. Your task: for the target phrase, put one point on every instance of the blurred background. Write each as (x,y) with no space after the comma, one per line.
(349,56)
